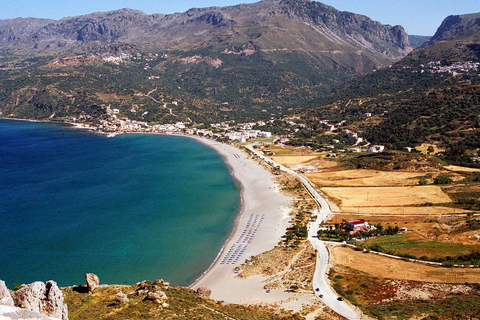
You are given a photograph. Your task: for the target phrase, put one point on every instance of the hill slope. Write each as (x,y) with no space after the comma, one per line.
(431,96)
(246,61)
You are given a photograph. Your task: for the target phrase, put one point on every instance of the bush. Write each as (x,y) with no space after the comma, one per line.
(422,181)
(448,264)
(442,180)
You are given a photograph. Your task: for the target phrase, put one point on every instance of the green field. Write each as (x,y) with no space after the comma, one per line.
(400,244)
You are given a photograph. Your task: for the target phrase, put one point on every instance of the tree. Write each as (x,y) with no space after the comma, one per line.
(443,180)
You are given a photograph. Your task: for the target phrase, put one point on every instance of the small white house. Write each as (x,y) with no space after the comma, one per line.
(264,134)
(330,127)
(376,148)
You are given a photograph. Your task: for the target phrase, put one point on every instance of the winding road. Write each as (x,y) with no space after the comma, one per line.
(330,298)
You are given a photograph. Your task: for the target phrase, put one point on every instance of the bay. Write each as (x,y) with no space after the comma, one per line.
(130,208)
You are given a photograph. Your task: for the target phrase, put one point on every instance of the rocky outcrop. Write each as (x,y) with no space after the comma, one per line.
(54,305)
(15,313)
(154,291)
(122,298)
(160,284)
(156,296)
(31,296)
(203,293)
(92,281)
(45,298)
(5,297)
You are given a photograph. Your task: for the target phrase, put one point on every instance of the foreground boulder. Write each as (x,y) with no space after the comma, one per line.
(156,296)
(5,297)
(15,313)
(203,293)
(92,281)
(122,298)
(45,298)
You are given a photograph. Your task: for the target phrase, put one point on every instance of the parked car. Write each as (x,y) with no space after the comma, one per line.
(340,299)
(320,295)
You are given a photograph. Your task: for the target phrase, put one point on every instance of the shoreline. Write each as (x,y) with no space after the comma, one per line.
(259,226)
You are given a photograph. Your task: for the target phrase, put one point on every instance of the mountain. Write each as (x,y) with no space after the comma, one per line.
(269,24)
(457,27)
(418,41)
(246,61)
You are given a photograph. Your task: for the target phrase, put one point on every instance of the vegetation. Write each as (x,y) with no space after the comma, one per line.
(182,303)
(434,251)
(442,180)
(382,299)
(338,233)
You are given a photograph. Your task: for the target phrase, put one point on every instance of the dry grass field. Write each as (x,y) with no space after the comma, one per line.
(404,210)
(293,159)
(387,196)
(363,178)
(289,151)
(462,169)
(383,267)
(424,148)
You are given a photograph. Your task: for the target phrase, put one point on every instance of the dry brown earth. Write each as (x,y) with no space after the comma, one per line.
(363,178)
(384,267)
(462,169)
(387,196)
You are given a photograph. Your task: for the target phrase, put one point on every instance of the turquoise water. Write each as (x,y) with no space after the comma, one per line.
(128,208)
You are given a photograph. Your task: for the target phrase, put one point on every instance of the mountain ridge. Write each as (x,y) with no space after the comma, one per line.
(129,26)
(261,58)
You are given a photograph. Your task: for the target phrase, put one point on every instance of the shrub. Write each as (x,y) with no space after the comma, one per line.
(442,180)
(422,181)
(448,264)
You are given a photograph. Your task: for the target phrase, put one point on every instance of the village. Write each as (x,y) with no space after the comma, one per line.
(241,132)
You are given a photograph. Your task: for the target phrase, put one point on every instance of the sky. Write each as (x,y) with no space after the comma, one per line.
(418,17)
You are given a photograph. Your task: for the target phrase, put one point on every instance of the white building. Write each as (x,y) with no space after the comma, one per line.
(376,148)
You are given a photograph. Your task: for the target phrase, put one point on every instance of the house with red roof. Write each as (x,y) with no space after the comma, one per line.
(355,225)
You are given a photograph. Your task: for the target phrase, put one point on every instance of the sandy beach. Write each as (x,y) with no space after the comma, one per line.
(260,225)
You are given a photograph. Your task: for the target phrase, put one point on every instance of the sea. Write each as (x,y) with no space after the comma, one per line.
(129,208)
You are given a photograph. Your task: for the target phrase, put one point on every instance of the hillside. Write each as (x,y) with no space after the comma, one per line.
(431,96)
(243,62)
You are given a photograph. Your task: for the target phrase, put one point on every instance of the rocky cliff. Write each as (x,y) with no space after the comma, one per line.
(458,26)
(268,24)
(37,300)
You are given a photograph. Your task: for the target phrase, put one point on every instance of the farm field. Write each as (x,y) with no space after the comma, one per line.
(411,243)
(384,267)
(363,178)
(404,210)
(462,169)
(293,159)
(387,196)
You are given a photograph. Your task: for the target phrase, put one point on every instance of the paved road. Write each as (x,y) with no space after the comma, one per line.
(319,278)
